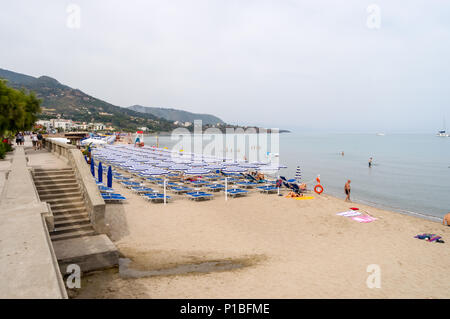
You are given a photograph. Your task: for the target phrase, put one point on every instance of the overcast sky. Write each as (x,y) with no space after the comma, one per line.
(287,63)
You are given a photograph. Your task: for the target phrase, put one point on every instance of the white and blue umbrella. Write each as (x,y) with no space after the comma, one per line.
(197,171)
(155,171)
(179,167)
(234,169)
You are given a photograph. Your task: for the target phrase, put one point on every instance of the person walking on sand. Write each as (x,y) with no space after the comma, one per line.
(370,161)
(347,191)
(446,220)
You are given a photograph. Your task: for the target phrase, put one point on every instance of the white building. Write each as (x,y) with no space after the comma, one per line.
(66,125)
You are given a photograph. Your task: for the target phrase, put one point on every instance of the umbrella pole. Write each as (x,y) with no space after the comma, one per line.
(226,188)
(278,187)
(164,191)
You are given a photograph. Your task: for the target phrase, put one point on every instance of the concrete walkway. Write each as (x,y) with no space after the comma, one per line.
(28,265)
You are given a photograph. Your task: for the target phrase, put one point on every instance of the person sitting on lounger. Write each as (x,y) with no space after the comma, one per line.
(302,187)
(259,177)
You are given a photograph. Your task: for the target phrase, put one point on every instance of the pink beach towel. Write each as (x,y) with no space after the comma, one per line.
(364,219)
(349,213)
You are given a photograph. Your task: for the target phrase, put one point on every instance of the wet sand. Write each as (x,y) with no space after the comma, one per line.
(276,247)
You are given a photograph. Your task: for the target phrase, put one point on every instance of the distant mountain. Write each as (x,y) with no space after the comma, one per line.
(69,103)
(177,115)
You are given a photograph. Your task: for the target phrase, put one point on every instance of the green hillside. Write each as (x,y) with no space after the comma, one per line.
(69,103)
(177,115)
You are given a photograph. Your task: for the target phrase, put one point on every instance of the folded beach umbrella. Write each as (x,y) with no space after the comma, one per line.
(109,177)
(298,174)
(92,167)
(100,172)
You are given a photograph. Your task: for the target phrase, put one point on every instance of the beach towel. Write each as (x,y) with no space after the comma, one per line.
(349,213)
(364,219)
(304,197)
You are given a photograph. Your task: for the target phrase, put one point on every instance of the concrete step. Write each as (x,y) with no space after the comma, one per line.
(59,197)
(57,212)
(48,187)
(43,170)
(64,199)
(82,221)
(54,178)
(41,182)
(90,253)
(53,172)
(75,234)
(68,217)
(65,190)
(76,204)
(71,229)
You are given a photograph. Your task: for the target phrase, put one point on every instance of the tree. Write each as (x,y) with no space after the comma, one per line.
(18,109)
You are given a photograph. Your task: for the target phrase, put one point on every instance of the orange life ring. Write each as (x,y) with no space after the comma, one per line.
(318,191)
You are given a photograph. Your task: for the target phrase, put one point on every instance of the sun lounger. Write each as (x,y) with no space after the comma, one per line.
(215,187)
(246,184)
(156,197)
(237,192)
(268,189)
(199,195)
(180,189)
(104,189)
(129,184)
(113,198)
(141,189)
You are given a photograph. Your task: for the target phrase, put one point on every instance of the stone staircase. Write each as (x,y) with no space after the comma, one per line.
(60,189)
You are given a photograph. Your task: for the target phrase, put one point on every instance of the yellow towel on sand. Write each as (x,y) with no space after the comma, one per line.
(304,197)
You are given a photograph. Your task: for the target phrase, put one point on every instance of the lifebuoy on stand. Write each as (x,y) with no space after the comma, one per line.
(318,188)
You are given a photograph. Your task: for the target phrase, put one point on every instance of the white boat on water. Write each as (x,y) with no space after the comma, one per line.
(380,134)
(443,132)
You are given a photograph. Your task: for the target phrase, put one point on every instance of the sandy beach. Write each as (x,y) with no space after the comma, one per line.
(280,248)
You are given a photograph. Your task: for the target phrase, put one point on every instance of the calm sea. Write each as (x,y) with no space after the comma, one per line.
(410,173)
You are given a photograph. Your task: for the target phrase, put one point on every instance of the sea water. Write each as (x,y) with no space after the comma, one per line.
(410,172)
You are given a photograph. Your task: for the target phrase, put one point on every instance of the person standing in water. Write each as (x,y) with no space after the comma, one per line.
(347,191)
(370,162)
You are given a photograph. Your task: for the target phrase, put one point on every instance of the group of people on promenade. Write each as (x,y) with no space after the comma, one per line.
(36,139)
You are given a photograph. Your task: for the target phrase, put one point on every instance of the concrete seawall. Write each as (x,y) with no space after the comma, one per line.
(91,194)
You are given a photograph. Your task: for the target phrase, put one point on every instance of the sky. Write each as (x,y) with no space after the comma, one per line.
(323,65)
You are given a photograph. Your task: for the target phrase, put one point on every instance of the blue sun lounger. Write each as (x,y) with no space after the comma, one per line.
(114,198)
(180,189)
(267,189)
(104,189)
(237,192)
(199,195)
(156,197)
(247,184)
(141,189)
(130,184)
(215,187)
